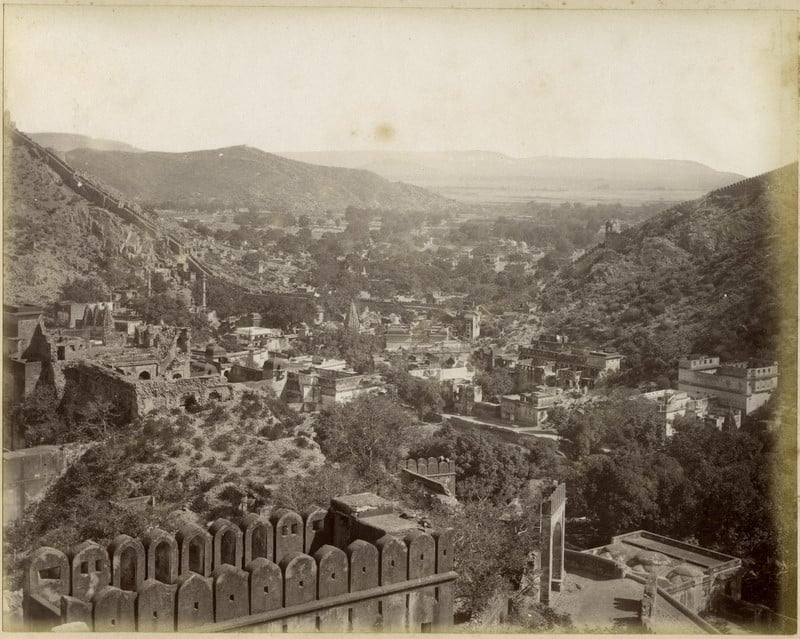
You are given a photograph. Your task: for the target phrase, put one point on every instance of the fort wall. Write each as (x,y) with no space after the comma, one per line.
(274,573)
(27,474)
(437,475)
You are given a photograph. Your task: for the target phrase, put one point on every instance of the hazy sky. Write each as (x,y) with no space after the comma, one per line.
(702,86)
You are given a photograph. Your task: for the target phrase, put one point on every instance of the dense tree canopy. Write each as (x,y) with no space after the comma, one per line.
(366,434)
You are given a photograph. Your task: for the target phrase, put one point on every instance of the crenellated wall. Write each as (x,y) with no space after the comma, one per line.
(101,197)
(273,573)
(438,475)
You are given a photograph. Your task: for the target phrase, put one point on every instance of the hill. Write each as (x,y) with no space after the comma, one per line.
(64,142)
(716,275)
(242,176)
(52,235)
(487,176)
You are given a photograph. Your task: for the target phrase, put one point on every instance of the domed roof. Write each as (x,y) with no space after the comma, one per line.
(651,558)
(684,572)
(619,552)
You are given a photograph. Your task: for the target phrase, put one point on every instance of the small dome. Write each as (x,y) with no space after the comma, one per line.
(619,552)
(684,572)
(651,558)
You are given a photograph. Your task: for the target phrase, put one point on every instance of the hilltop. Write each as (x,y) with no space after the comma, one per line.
(64,142)
(488,176)
(716,275)
(242,176)
(52,235)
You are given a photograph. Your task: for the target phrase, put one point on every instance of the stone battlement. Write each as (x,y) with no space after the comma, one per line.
(433,473)
(278,572)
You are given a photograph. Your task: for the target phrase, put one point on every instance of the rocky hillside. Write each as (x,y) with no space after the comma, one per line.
(244,176)
(196,466)
(716,275)
(52,235)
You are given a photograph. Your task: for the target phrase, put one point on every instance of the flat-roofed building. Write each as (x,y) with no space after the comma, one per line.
(690,574)
(527,409)
(745,386)
(556,353)
(672,404)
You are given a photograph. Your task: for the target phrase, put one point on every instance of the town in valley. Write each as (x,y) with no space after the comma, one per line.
(261,388)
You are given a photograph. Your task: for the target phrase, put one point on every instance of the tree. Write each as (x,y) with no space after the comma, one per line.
(250,261)
(491,552)
(36,418)
(317,488)
(366,434)
(495,383)
(163,307)
(85,290)
(424,395)
(485,468)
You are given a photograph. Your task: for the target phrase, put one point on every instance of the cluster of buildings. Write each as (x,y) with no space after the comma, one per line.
(550,369)
(553,362)
(719,394)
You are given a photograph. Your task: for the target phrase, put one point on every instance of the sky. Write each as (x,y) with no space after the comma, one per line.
(712,87)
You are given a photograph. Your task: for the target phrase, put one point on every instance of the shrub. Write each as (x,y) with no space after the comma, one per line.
(278,467)
(301,441)
(290,454)
(272,432)
(222,443)
(215,417)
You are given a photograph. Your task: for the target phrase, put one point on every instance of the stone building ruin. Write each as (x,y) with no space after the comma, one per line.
(152,370)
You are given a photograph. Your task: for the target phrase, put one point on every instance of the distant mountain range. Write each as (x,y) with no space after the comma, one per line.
(467,176)
(482,175)
(244,176)
(64,142)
